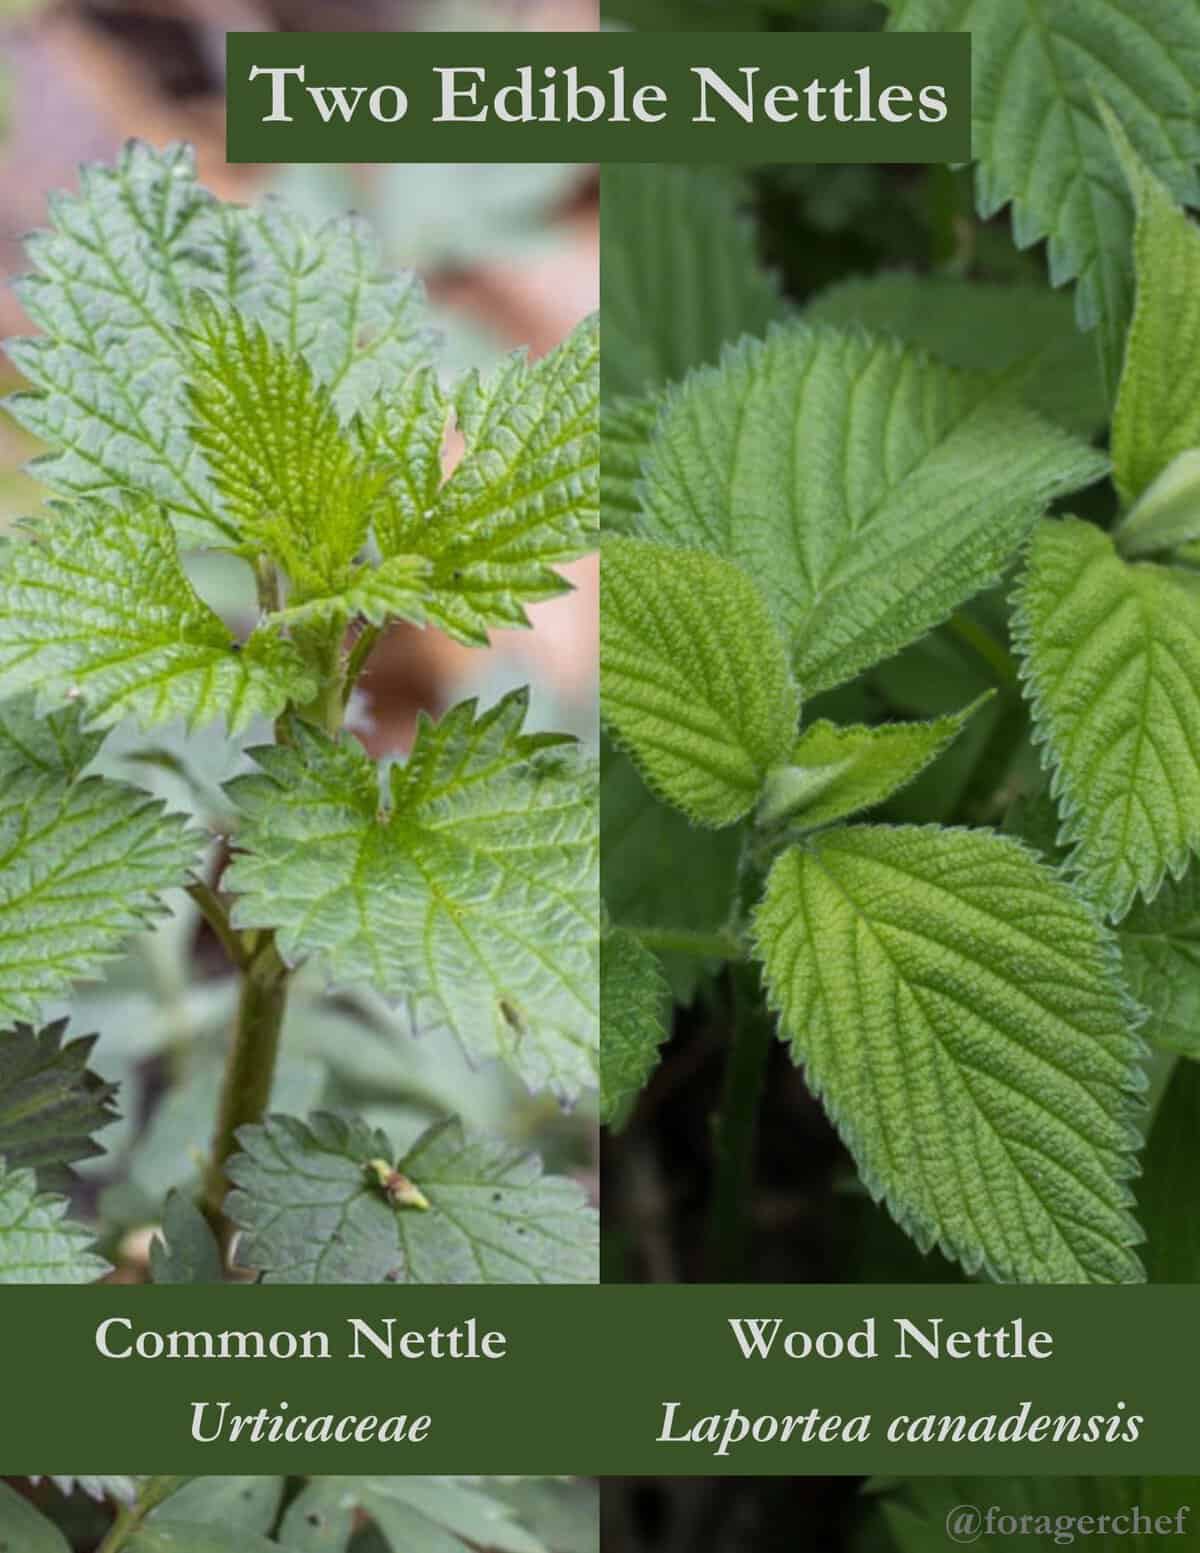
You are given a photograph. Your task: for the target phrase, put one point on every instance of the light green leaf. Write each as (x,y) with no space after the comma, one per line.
(1166,1199)
(959,1010)
(96,608)
(83,865)
(321,1517)
(111,292)
(834,772)
(633,996)
(465,883)
(1157,415)
(626,426)
(866,489)
(1024,334)
(524,498)
(441,1515)
(244,1504)
(312,1209)
(50,1101)
(1039,73)
(24,1529)
(187,1250)
(1167,515)
(171,1536)
(294,483)
(662,875)
(680,276)
(1160,955)
(1111,659)
(694,677)
(394,590)
(38,1243)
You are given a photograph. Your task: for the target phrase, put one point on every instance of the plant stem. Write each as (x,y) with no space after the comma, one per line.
(212,908)
(994,653)
(705,946)
(359,654)
(736,1127)
(249,1069)
(130,1517)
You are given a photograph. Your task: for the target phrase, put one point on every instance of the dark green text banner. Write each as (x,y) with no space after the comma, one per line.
(611,1380)
(595,97)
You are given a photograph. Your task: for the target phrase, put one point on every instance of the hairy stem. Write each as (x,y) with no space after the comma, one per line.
(130,1517)
(736,1128)
(359,654)
(994,653)
(212,909)
(249,1069)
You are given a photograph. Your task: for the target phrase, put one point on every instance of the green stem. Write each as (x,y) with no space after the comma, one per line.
(130,1517)
(359,654)
(704,946)
(249,1069)
(212,909)
(736,1129)
(994,653)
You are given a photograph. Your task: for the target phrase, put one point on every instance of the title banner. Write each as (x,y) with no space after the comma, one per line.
(594,97)
(753,1380)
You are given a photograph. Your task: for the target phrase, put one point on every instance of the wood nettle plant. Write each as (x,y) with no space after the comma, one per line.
(369,1514)
(825,508)
(211,379)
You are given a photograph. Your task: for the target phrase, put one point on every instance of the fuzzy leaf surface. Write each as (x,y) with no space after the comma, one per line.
(441,1515)
(467,886)
(169,1536)
(625,434)
(1039,73)
(312,1211)
(111,292)
(38,1242)
(960,1012)
(524,498)
(1157,415)
(1160,955)
(867,490)
(96,608)
(84,861)
(837,771)
(694,676)
(1111,654)
(1024,334)
(187,1250)
(680,275)
(633,996)
(51,1103)
(23,1529)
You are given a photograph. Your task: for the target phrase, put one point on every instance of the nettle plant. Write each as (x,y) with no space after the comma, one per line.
(219,381)
(305,1515)
(827,512)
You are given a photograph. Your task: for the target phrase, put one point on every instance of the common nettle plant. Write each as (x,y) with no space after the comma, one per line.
(218,381)
(329,1514)
(837,503)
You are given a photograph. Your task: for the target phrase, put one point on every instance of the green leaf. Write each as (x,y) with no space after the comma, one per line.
(38,1243)
(394,590)
(84,863)
(187,1250)
(312,1210)
(294,483)
(1039,73)
(959,1011)
(835,772)
(1023,334)
(1112,667)
(524,498)
(243,1504)
(50,1101)
(1166,1202)
(866,489)
(680,276)
(694,677)
(440,1515)
(463,883)
(321,1517)
(96,608)
(625,435)
(633,995)
(24,1529)
(1157,415)
(1160,955)
(111,295)
(662,875)
(171,1536)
